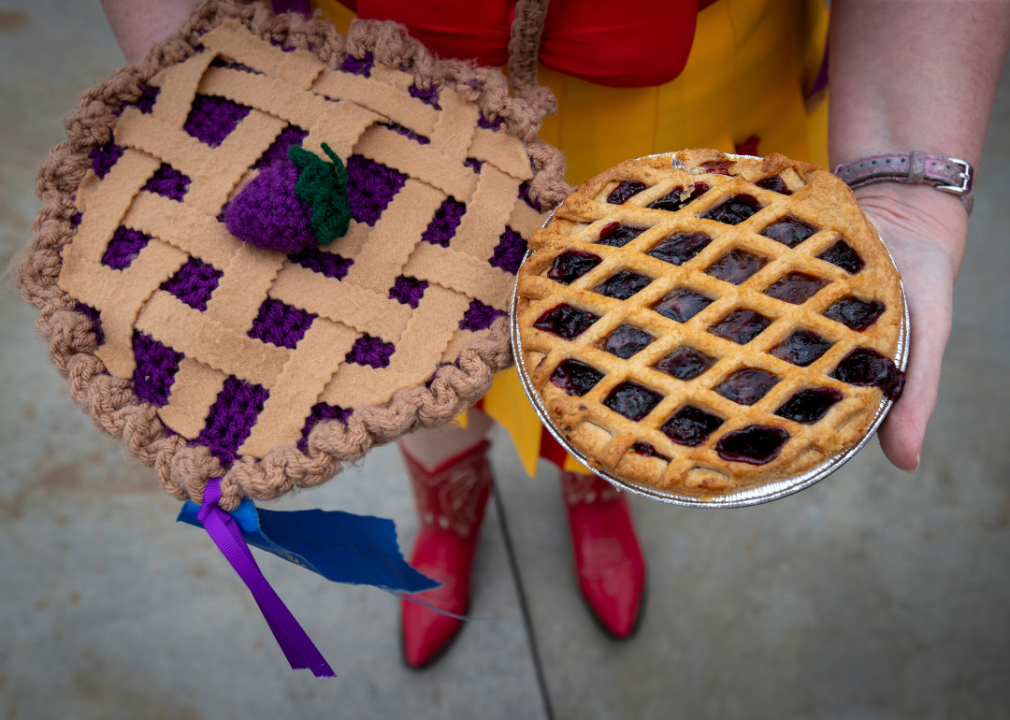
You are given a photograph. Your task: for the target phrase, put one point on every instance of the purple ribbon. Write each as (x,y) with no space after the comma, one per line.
(304,7)
(225,533)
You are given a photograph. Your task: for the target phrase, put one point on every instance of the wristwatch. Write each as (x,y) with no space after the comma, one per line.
(946,174)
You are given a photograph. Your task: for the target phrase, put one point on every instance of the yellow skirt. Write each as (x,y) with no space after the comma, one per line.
(746,88)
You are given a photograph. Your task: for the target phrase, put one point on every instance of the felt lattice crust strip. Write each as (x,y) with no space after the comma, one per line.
(212,357)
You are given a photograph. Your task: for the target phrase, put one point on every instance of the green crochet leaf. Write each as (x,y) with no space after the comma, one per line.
(323,185)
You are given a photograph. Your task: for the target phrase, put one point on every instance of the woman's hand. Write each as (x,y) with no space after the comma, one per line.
(925,231)
(893,90)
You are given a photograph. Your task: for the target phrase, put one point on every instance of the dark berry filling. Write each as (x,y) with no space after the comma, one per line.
(843,256)
(718,167)
(801,348)
(855,314)
(565,321)
(789,231)
(867,367)
(796,288)
(626,340)
(632,400)
(575,378)
(644,448)
(616,235)
(755,445)
(809,406)
(571,265)
(736,266)
(735,210)
(741,326)
(690,426)
(622,285)
(674,202)
(747,386)
(685,363)
(678,249)
(620,194)
(681,305)
(775,183)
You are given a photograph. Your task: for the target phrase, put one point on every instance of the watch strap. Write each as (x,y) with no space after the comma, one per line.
(946,174)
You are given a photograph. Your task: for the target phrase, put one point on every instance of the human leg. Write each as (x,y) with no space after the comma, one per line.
(451,480)
(609,562)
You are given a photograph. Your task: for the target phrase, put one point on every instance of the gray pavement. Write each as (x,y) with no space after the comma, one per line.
(874,595)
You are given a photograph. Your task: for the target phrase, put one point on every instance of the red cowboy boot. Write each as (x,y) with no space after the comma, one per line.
(451,500)
(608,558)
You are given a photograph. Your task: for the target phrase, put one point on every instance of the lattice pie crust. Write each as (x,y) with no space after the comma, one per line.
(655,296)
(209,354)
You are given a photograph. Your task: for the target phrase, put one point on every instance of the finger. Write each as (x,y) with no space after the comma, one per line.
(929,287)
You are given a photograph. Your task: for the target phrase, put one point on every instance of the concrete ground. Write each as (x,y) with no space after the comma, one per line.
(874,595)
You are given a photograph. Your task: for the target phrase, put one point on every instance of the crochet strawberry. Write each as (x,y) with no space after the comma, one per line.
(294,203)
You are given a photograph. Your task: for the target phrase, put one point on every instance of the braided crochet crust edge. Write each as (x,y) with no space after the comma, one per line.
(185,470)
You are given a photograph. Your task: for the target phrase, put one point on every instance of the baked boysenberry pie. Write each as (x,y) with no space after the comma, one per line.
(704,323)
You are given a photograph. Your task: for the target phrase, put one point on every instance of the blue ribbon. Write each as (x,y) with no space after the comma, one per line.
(341,547)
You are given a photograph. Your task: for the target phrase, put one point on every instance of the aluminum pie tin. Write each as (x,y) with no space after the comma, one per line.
(744,497)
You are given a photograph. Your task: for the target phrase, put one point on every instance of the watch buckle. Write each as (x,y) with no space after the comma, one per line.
(964,176)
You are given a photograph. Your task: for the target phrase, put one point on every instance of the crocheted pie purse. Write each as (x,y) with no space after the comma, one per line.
(268,247)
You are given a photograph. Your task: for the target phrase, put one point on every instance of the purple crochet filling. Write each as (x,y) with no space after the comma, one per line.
(278,44)
(194,283)
(371,351)
(329,264)
(443,226)
(281,324)
(495,124)
(268,213)
(370,188)
(479,316)
(321,412)
(103,158)
(96,321)
(222,63)
(291,135)
(428,97)
(125,245)
(76,218)
(510,251)
(407,133)
(157,365)
(408,290)
(231,418)
(212,118)
(168,182)
(362,66)
(474,164)
(145,103)
(524,195)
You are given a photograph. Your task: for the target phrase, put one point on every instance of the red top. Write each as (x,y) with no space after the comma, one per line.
(643,43)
